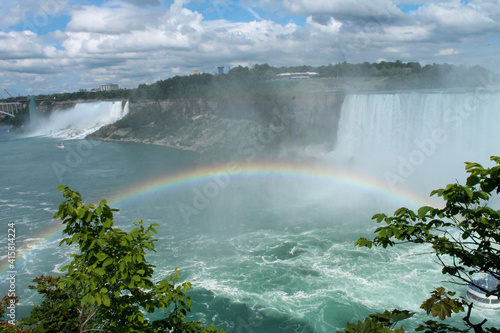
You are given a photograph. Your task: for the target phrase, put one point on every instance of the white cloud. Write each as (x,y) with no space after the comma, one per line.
(31,14)
(130,44)
(410,33)
(10,15)
(110,20)
(384,10)
(56,35)
(455,17)
(117,33)
(22,45)
(449,51)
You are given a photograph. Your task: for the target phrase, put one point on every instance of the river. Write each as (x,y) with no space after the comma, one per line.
(269,243)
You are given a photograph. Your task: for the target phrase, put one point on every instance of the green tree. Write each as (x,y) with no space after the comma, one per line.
(108,286)
(55,314)
(8,323)
(464,236)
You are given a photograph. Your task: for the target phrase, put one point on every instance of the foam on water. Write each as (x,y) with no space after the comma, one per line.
(297,275)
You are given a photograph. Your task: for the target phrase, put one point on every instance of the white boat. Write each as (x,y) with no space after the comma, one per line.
(60,145)
(478,296)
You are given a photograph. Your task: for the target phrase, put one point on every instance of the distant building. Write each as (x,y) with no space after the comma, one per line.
(108,87)
(220,70)
(305,75)
(83,90)
(196,71)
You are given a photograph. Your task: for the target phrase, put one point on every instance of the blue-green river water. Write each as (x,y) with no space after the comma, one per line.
(270,250)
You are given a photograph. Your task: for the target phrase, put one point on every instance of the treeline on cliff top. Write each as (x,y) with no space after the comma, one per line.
(261,79)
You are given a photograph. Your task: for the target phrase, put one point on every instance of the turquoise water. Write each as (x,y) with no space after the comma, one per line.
(268,253)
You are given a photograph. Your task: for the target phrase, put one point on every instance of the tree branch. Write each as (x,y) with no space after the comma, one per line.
(89,317)
(478,328)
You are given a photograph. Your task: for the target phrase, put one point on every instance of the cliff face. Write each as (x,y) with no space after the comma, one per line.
(47,107)
(233,125)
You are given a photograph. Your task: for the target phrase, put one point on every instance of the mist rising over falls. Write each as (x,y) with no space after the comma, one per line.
(81,120)
(405,137)
(416,140)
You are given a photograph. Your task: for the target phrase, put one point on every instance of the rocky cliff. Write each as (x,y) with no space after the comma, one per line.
(234,125)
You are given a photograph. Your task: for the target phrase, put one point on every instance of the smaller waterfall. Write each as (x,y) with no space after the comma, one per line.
(80,121)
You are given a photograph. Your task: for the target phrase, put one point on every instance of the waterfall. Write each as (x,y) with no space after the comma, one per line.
(412,137)
(81,120)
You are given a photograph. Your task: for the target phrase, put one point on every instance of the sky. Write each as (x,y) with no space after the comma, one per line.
(52,46)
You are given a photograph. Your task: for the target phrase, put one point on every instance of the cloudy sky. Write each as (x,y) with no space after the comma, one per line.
(64,45)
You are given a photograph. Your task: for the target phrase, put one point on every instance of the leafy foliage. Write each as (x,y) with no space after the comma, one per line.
(108,286)
(379,323)
(432,326)
(464,235)
(55,313)
(466,213)
(441,305)
(246,82)
(9,325)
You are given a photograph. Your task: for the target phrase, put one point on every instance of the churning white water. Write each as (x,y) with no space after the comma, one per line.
(80,121)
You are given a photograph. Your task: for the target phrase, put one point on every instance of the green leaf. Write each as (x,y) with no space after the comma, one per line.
(400,211)
(468,191)
(88,299)
(107,262)
(472,180)
(98,299)
(422,212)
(363,242)
(107,223)
(488,185)
(62,188)
(106,301)
(101,256)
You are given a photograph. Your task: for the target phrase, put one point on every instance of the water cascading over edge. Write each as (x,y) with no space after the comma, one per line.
(417,139)
(81,120)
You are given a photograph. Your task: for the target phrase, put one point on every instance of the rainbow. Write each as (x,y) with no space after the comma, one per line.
(227,172)
(23,254)
(232,170)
